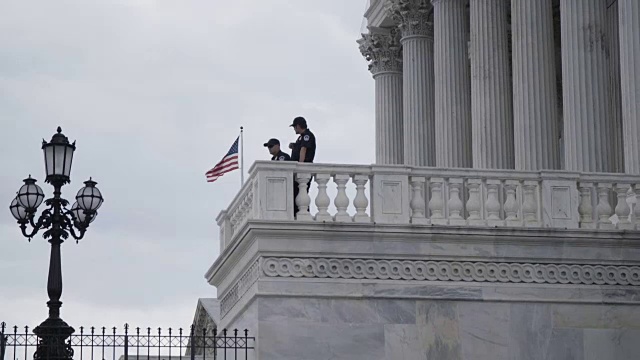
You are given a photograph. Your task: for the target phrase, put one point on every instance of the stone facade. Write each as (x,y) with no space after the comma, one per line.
(501,219)
(323,291)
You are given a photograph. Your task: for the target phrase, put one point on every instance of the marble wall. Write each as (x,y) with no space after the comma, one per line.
(323,328)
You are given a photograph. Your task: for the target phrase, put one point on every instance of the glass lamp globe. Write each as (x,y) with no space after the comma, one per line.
(30,195)
(58,155)
(17,210)
(89,197)
(79,214)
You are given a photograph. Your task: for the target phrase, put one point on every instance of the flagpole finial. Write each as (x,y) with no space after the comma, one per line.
(241,128)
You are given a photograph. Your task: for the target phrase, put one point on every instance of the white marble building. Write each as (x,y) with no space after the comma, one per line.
(502,218)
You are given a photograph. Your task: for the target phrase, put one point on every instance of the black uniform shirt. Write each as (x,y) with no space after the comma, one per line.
(281,156)
(307,140)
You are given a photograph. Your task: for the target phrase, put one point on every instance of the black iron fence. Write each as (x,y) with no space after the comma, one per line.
(135,344)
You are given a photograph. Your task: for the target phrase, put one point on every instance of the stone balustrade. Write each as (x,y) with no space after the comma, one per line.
(402,195)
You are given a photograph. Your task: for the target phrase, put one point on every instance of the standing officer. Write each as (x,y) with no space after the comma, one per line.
(303,150)
(274,149)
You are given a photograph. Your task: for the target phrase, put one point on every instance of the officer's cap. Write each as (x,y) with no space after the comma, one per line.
(272,142)
(299,121)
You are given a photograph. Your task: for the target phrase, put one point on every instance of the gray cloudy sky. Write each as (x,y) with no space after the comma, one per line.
(154,92)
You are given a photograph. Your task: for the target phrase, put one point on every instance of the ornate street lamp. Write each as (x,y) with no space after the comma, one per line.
(58,223)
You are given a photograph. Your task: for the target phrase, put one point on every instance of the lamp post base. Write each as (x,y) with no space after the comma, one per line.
(53,345)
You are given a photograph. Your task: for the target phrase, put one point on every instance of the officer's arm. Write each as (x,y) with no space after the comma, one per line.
(303,154)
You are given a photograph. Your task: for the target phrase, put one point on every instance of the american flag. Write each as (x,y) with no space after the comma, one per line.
(228,163)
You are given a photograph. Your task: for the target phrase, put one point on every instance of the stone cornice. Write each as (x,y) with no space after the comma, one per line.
(382,50)
(399,272)
(412,17)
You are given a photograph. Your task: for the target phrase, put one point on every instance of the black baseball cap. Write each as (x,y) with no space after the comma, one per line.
(299,121)
(272,142)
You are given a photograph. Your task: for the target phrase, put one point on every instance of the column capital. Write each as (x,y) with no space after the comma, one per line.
(412,17)
(382,49)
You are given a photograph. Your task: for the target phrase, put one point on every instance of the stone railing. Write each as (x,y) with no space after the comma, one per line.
(434,196)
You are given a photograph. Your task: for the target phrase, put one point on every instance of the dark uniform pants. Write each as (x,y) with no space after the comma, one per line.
(296,191)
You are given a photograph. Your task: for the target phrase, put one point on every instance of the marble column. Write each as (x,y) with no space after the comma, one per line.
(384,53)
(587,131)
(615,100)
(535,102)
(418,80)
(491,88)
(453,81)
(629,19)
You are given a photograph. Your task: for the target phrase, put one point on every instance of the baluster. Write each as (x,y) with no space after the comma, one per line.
(635,216)
(603,209)
(418,204)
(244,209)
(455,204)
(322,200)
(342,201)
(303,200)
(511,205)
(622,208)
(474,204)
(360,202)
(530,204)
(234,221)
(436,204)
(585,209)
(493,203)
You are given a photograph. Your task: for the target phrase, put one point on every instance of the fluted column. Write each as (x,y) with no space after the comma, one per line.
(615,100)
(587,131)
(418,80)
(453,81)
(384,53)
(491,89)
(535,102)
(629,19)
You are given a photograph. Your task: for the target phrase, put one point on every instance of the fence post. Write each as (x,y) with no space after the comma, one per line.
(193,343)
(3,340)
(215,343)
(126,341)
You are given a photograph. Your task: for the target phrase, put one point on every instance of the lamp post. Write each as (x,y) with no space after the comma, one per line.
(58,222)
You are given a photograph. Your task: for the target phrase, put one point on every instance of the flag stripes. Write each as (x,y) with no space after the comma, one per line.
(228,163)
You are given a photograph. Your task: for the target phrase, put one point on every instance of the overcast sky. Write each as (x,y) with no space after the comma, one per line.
(154,92)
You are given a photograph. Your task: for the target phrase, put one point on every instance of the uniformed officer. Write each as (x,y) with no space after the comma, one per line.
(274,149)
(303,150)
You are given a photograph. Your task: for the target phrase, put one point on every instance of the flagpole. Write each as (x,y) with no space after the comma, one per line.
(241,156)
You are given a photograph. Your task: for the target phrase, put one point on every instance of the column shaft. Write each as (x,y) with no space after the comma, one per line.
(491,89)
(615,100)
(418,103)
(452,79)
(629,18)
(389,143)
(587,131)
(382,49)
(535,107)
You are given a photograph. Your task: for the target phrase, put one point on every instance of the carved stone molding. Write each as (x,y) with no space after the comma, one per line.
(234,294)
(491,272)
(382,50)
(412,16)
